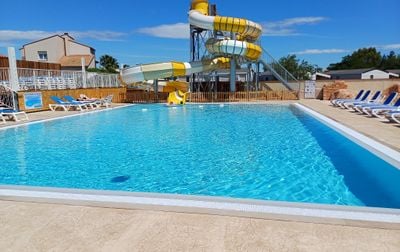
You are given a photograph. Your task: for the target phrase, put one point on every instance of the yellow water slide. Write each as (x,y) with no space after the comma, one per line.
(246,33)
(177,90)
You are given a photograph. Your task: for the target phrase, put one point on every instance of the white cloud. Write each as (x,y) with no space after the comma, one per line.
(287,27)
(6,44)
(98,35)
(284,27)
(388,47)
(14,35)
(175,31)
(321,51)
(10,35)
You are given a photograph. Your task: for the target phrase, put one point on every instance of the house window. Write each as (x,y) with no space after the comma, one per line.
(42,55)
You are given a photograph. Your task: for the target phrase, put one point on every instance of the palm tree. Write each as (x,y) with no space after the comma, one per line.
(109,63)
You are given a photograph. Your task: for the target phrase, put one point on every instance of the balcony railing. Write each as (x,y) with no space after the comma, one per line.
(39,79)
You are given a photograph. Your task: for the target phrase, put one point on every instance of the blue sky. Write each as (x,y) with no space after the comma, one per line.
(135,32)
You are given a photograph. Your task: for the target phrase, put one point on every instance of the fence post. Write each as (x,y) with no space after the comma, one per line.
(156,90)
(34,79)
(83,72)
(12,62)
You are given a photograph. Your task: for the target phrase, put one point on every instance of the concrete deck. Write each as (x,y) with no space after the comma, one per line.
(46,115)
(49,227)
(55,227)
(378,129)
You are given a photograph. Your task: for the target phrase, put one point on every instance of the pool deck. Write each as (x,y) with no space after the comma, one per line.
(378,129)
(59,227)
(50,227)
(48,115)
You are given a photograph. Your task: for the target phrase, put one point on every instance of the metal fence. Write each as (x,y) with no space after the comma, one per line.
(39,79)
(199,97)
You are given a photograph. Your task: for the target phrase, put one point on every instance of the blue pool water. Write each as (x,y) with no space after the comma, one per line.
(242,151)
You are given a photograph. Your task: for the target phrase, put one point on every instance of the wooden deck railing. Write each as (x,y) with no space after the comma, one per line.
(145,97)
(150,97)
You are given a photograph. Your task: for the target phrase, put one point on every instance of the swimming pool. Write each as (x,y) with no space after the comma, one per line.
(267,152)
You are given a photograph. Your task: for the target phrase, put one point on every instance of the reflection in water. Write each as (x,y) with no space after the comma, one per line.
(20,149)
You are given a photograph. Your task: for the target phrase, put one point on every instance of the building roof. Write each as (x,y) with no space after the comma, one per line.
(66,34)
(75,60)
(33,42)
(395,71)
(349,71)
(56,35)
(318,74)
(227,71)
(266,73)
(73,41)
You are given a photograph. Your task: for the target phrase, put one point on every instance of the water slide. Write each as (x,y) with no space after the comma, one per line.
(177,92)
(246,33)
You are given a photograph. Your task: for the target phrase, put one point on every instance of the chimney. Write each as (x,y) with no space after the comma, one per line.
(65,36)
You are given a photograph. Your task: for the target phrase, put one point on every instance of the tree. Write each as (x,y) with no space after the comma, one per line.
(109,63)
(301,70)
(391,61)
(362,58)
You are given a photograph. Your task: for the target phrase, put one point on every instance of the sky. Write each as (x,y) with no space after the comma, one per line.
(136,32)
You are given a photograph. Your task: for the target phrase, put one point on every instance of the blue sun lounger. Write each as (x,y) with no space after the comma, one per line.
(393,116)
(13,114)
(360,107)
(336,102)
(362,99)
(374,98)
(380,110)
(66,106)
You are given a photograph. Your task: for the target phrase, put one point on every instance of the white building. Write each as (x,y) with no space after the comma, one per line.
(360,74)
(61,49)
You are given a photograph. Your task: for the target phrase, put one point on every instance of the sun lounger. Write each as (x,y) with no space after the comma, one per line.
(2,120)
(92,105)
(374,98)
(66,106)
(380,110)
(393,116)
(106,102)
(83,97)
(362,99)
(336,102)
(12,114)
(360,108)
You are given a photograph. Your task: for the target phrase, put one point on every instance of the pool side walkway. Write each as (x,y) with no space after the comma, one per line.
(378,129)
(46,115)
(52,227)
(56,227)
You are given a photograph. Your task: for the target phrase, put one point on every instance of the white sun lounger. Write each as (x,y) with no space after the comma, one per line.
(2,120)
(14,115)
(66,106)
(393,116)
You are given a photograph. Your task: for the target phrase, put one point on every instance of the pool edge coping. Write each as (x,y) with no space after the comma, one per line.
(264,209)
(382,151)
(81,113)
(261,209)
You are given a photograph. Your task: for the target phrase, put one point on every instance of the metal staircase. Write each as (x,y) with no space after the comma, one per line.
(279,72)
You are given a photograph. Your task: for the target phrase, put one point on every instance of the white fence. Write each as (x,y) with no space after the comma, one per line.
(38,79)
